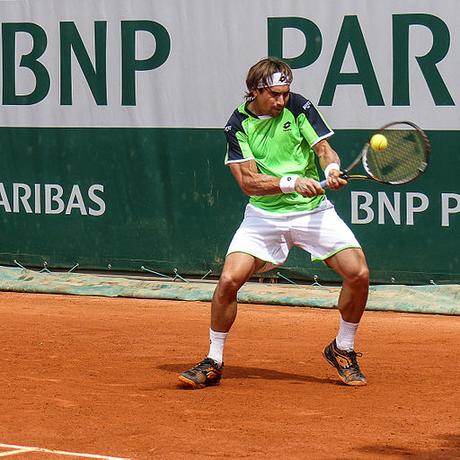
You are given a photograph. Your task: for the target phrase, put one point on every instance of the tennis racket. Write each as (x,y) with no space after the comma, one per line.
(403,160)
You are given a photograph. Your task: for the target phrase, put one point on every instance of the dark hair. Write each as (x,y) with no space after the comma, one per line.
(262,71)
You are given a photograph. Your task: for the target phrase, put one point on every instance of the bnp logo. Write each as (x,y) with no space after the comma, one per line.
(73,52)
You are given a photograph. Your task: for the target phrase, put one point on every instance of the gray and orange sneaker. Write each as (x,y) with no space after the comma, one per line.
(206,373)
(346,364)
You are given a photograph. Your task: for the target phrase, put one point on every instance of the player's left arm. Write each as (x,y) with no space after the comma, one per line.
(328,156)
(316,131)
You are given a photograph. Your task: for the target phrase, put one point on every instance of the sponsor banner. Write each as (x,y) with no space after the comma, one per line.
(105,198)
(178,63)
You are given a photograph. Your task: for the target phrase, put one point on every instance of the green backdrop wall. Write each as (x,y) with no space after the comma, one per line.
(169,202)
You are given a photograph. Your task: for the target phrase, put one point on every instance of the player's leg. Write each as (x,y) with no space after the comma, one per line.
(260,242)
(238,268)
(327,238)
(351,265)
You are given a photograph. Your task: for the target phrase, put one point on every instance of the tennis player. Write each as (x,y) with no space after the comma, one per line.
(273,141)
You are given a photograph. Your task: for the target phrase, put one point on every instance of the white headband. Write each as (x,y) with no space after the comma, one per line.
(277,79)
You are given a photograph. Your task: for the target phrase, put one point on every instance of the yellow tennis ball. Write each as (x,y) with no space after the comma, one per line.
(379,142)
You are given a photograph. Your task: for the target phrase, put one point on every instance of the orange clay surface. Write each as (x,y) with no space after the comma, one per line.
(99,375)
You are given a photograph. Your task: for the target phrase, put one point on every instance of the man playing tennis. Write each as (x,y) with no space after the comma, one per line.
(272,141)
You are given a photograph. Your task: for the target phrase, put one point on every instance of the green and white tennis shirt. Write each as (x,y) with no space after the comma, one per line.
(280,146)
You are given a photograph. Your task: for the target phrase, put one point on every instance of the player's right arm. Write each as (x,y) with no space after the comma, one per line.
(244,167)
(253,183)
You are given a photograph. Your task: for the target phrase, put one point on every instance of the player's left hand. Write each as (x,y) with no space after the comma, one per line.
(334,181)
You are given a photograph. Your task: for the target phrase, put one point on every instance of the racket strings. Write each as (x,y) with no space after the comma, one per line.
(403,159)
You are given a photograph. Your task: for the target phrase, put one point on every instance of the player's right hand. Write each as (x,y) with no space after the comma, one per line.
(308,187)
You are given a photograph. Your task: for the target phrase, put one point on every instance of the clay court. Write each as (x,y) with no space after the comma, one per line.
(98,376)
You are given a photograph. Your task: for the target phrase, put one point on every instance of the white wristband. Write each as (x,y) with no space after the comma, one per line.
(287,184)
(329,168)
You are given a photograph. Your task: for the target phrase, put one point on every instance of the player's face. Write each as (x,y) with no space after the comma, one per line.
(271,101)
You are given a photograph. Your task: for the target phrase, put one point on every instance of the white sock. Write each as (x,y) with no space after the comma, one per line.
(216,345)
(345,339)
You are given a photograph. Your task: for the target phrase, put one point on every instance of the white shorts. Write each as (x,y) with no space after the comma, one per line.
(270,236)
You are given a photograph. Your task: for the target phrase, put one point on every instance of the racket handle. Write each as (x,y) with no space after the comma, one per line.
(323,183)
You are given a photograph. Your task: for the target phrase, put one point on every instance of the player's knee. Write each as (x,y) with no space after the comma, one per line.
(230,282)
(358,277)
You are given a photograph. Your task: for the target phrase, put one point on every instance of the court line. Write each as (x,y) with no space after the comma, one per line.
(21,449)
(16,451)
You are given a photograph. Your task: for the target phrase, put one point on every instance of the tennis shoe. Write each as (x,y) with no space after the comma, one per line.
(346,364)
(206,373)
